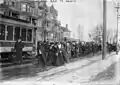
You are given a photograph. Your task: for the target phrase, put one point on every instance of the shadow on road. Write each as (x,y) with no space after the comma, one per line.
(23,72)
(108,74)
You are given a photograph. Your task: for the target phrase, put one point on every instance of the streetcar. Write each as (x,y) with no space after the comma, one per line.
(15,24)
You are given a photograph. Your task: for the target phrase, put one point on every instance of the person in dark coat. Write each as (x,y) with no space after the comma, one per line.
(46,50)
(50,58)
(40,56)
(42,47)
(64,52)
(18,48)
(39,52)
(53,51)
(68,51)
(59,60)
(93,48)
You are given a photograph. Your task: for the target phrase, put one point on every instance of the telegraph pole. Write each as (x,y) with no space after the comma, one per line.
(117,27)
(104,30)
(79,33)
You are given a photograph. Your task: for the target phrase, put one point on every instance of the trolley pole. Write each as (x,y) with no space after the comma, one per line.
(104,30)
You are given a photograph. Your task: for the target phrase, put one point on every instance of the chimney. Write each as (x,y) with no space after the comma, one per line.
(67,26)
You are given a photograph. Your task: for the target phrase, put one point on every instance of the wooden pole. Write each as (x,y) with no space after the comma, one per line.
(104,30)
(117,27)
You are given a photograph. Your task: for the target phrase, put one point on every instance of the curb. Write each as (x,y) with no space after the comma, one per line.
(17,66)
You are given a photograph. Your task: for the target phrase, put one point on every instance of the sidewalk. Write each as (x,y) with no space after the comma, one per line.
(68,68)
(80,64)
(77,76)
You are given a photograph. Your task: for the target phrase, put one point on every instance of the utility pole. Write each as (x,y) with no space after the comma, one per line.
(117,7)
(79,33)
(104,30)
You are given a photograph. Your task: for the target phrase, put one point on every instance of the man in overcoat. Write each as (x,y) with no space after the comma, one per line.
(18,48)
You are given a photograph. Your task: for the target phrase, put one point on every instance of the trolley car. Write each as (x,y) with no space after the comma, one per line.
(11,28)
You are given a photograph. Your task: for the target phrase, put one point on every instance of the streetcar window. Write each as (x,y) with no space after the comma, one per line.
(28,8)
(29,35)
(23,7)
(23,34)
(9,32)
(15,15)
(17,33)
(2,32)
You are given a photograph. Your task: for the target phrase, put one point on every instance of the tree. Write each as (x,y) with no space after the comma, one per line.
(109,35)
(96,35)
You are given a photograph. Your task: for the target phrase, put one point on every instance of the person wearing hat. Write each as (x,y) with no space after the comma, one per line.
(18,48)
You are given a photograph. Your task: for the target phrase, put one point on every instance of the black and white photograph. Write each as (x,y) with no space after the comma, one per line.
(59,42)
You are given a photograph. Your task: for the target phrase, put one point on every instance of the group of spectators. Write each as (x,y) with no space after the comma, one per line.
(59,53)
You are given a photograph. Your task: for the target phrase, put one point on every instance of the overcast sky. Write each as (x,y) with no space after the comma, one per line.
(87,13)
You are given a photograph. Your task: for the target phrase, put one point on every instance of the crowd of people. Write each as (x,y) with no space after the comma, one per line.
(59,53)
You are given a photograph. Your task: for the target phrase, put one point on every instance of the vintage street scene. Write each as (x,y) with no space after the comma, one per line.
(59,42)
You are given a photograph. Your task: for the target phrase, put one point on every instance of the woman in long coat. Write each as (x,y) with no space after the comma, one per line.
(53,54)
(59,60)
(41,60)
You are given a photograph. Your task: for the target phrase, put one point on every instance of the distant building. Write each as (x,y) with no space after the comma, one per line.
(66,32)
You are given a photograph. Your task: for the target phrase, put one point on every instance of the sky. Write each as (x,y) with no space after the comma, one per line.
(87,14)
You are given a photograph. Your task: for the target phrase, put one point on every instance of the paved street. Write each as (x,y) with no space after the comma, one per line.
(26,71)
(81,72)
(108,74)
(20,72)
(93,73)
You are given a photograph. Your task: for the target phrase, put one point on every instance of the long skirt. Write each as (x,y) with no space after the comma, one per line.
(54,57)
(18,58)
(41,61)
(60,60)
(44,58)
(50,58)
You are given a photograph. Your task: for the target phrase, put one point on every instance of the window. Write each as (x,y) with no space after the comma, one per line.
(32,10)
(2,32)
(28,19)
(7,13)
(23,7)
(9,32)
(15,15)
(29,35)
(28,8)
(34,21)
(17,33)
(23,34)
(13,4)
(6,2)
